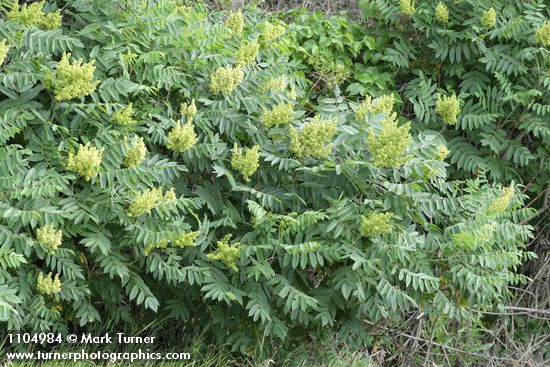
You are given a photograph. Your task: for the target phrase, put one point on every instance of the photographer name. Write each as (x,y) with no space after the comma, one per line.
(118,338)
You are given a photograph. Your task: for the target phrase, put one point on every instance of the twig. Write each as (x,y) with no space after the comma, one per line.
(525,309)
(431,342)
(531,312)
(443,345)
(543,208)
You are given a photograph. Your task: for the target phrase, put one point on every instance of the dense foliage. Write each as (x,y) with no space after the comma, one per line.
(159,160)
(490,57)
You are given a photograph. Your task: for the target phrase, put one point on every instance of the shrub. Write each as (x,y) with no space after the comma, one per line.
(491,56)
(426,52)
(173,232)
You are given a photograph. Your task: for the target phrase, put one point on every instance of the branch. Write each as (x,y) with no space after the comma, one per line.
(543,208)
(442,345)
(531,312)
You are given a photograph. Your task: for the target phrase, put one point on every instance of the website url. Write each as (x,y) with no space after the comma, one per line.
(82,355)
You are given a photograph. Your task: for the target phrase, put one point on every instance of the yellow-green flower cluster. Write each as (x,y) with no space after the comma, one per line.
(375,224)
(489,18)
(147,200)
(72,80)
(186,239)
(183,9)
(125,116)
(50,237)
(226,253)
(47,285)
(246,54)
(86,162)
(274,84)
(407,7)
(181,137)
(4,49)
(272,31)
(33,15)
(235,22)
(363,109)
(382,104)
(51,20)
(431,172)
(543,34)
(188,110)
(500,204)
(280,114)
(388,148)
(246,163)
(442,152)
(472,239)
(136,154)
(154,246)
(226,79)
(442,13)
(28,14)
(314,139)
(448,108)
(169,196)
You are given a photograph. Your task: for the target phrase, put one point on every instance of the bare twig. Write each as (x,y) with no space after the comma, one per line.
(543,208)
(431,342)
(463,351)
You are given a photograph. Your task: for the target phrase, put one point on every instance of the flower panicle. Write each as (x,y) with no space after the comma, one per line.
(441,152)
(85,162)
(147,200)
(72,79)
(185,239)
(50,237)
(227,254)
(448,108)
(388,148)
(226,79)
(278,83)
(181,137)
(125,116)
(501,203)
(246,54)
(33,15)
(189,110)
(245,163)
(272,32)
(407,7)
(542,34)
(382,104)
(314,139)
(279,115)
(136,154)
(442,13)
(489,18)
(47,285)
(375,224)
(235,22)
(4,49)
